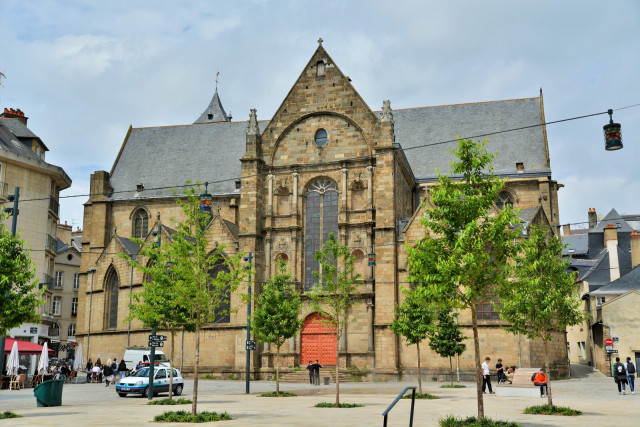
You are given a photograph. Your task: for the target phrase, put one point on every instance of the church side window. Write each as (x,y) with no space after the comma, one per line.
(321,138)
(140,224)
(489,307)
(504,199)
(321,218)
(222,310)
(112,299)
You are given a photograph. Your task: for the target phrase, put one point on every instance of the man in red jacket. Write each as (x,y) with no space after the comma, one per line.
(540,379)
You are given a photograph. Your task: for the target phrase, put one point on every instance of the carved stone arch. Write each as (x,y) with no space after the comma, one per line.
(359,263)
(504,194)
(300,119)
(358,194)
(140,218)
(111,295)
(315,179)
(283,200)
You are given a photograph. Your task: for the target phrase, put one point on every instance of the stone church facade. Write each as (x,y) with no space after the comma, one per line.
(324,163)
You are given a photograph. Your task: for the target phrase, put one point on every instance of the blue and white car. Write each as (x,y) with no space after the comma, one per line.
(138,382)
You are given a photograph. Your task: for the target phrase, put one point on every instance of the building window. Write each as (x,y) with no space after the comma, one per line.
(140,224)
(56,306)
(112,299)
(489,307)
(74,306)
(321,218)
(222,309)
(320,69)
(504,199)
(58,280)
(76,281)
(321,138)
(72,330)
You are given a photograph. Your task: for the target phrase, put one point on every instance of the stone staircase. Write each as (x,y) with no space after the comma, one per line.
(303,376)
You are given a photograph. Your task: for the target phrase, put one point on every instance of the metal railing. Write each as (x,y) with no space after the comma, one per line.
(52,244)
(47,281)
(54,205)
(413,402)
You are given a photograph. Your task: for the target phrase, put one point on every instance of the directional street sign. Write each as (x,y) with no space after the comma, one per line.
(612,351)
(250,345)
(156,344)
(608,347)
(157,338)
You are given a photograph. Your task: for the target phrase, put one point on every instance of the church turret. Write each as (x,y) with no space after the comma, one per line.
(214,112)
(254,142)
(388,136)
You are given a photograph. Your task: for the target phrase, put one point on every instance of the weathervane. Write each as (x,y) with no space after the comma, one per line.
(217,74)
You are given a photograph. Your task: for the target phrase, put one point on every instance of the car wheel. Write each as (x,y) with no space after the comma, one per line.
(122,394)
(145,392)
(178,390)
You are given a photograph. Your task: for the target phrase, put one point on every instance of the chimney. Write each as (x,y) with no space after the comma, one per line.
(635,248)
(10,113)
(566,230)
(611,243)
(593,218)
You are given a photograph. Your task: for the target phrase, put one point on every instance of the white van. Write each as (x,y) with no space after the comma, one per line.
(133,355)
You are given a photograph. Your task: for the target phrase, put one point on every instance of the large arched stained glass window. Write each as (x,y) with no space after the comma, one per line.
(321,218)
(221,309)
(112,299)
(140,224)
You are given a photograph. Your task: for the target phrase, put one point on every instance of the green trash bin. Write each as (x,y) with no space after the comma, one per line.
(49,393)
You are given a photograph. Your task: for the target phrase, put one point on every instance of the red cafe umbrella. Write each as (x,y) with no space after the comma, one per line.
(24,347)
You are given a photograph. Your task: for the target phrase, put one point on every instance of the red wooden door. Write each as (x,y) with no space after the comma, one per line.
(318,341)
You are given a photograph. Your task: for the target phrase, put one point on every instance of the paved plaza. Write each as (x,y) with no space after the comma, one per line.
(95,404)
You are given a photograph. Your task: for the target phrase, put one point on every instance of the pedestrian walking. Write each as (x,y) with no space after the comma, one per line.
(107,372)
(316,372)
(114,368)
(620,376)
(486,376)
(631,375)
(122,370)
(311,370)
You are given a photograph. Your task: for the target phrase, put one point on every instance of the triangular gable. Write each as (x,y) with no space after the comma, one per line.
(219,233)
(115,246)
(616,300)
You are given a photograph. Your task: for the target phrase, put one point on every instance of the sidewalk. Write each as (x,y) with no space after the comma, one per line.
(594,394)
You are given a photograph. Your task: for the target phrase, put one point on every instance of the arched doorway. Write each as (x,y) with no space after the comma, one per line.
(318,341)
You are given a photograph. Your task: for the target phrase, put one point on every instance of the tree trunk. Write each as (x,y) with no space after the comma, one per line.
(476,350)
(194,405)
(277,371)
(451,369)
(337,370)
(548,372)
(419,374)
(173,340)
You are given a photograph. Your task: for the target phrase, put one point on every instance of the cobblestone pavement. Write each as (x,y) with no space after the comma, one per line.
(86,404)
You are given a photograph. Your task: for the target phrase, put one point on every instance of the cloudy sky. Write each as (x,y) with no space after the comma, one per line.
(83,71)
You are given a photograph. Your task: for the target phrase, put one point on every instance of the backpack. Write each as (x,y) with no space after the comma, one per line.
(620,368)
(533,377)
(631,368)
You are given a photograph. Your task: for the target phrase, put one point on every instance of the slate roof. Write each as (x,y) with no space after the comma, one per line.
(613,217)
(622,285)
(214,112)
(62,246)
(428,125)
(577,245)
(165,157)
(18,128)
(11,142)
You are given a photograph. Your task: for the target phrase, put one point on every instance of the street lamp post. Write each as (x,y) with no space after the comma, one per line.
(152,354)
(248,367)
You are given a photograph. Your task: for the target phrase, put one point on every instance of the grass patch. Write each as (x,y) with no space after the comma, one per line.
(282,394)
(551,410)
(357,374)
(421,396)
(186,417)
(453,386)
(208,377)
(8,414)
(452,421)
(340,405)
(168,401)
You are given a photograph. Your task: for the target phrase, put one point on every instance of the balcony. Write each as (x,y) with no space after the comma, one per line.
(4,189)
(47,282)
(54,205)
(52,244)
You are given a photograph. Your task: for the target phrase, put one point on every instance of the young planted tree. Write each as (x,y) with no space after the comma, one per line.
(158,305)
(471,247)
(277,313)
(335,291)
(19,294)
(446,339)
(413,320)
(542,300)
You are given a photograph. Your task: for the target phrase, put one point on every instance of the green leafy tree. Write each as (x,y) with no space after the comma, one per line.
(445,338)
(413,320)
(471,245)
(334,293)
(542,300)
(277,313)
(158,305)
(19,294)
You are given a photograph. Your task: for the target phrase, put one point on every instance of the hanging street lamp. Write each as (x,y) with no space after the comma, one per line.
(612,134)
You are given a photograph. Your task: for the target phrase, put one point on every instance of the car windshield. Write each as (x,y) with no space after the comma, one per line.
(144,372)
